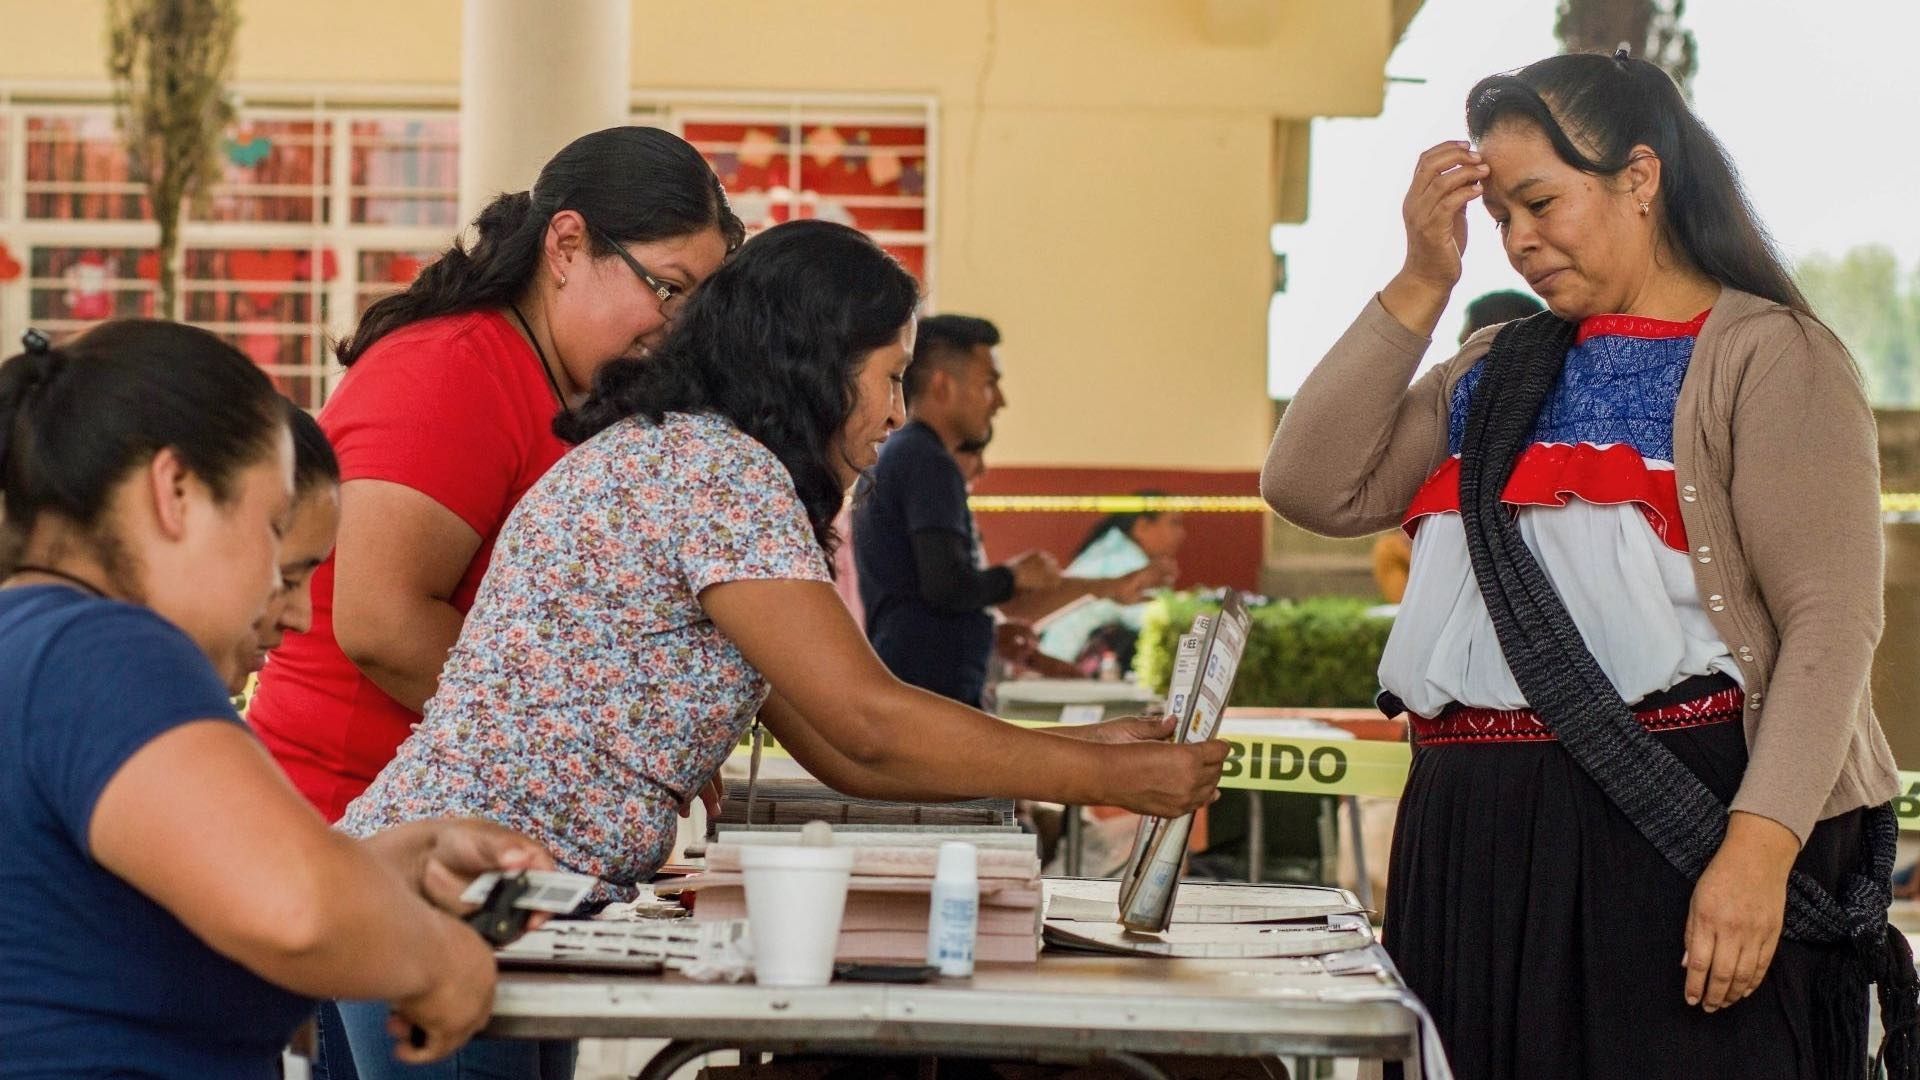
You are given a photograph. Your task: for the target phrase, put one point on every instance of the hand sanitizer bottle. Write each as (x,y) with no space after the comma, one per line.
(955,917)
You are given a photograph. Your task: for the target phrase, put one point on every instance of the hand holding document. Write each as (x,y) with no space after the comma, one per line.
(1204,666)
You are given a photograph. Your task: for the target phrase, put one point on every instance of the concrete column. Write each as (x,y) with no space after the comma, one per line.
(534,77)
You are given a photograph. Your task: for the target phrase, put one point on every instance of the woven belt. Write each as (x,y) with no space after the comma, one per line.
(1470,725)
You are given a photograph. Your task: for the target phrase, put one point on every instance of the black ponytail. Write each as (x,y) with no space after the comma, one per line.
(76,418)
(1614,103)
(632,184)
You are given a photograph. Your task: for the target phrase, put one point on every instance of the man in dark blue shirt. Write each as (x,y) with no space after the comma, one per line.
(922,582)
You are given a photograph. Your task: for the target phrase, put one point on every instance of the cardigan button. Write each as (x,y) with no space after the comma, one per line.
(1703,549)
(1689,488)
(1689,498)
(1706,558)
(1718,607)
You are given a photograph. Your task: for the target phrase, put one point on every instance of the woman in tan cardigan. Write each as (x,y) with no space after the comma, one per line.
(1644,596)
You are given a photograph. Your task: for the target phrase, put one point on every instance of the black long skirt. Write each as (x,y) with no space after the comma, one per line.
(1545,933)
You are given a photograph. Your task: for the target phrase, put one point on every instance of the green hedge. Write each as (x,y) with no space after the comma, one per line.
(1323,651)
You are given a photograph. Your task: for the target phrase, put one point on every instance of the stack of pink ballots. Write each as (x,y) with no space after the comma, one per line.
(889,898)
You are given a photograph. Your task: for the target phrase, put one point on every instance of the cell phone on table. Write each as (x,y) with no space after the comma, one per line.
(884,973)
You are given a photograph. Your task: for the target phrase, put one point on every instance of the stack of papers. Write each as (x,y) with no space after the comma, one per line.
(890,895)
(794,802)
(1094,900)
(1235,921)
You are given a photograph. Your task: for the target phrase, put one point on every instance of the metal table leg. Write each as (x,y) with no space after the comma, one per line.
(1256,838)
(1139,1066)
(679,1053)
(1070,835)
(1363,883)
(674,1056)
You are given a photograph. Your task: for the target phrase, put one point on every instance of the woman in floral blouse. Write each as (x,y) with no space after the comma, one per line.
(668,580)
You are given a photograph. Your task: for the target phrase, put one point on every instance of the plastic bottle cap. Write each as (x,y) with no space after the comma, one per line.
(957,859)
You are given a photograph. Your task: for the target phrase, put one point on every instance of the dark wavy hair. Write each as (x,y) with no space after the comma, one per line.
(76,418)
(772,343)
(1614,103)
(632,184)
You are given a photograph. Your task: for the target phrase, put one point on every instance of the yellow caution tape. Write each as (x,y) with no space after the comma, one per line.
(1890,503)
(1271,763)
(1350,767)
(1118,504)
(1906,805)
(1316,766)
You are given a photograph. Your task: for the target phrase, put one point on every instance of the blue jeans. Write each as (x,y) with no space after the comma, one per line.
(332,1054)
(481,1059)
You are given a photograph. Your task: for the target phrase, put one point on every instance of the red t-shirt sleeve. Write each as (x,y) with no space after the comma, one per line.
(436,416)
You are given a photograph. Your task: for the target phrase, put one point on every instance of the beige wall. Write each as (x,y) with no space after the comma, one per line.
(397,41)
(1106,169)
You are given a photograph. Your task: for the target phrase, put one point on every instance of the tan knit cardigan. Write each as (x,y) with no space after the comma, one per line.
(1778,471)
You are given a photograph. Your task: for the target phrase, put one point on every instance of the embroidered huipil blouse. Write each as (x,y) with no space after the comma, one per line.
(1778,471)
(1595,500)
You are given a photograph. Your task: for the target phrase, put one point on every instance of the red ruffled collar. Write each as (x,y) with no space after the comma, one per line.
(1637,326)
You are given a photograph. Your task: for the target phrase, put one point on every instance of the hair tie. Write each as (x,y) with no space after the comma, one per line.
(40,358)
(541,206)
(38,361)
(1622,54)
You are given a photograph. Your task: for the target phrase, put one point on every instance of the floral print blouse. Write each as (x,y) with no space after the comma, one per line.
(589,695)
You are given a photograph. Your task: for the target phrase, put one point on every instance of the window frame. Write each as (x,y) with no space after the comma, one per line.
(334,109)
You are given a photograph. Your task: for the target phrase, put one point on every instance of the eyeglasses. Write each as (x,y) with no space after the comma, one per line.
(672,297)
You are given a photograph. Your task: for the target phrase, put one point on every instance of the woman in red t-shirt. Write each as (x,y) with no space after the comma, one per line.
(445,419)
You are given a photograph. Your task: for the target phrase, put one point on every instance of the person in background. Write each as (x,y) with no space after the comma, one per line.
(304,545)
(971,457)
(1393,552)
(186,903)
(311,527)
(1133,550)
(1014,640)
(1496,308)
(1392,561)
(926,593)
(667,582)
(445,419)
(846,575)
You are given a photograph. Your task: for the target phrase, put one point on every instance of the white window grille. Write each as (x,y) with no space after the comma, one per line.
(862,161)
(329,203)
